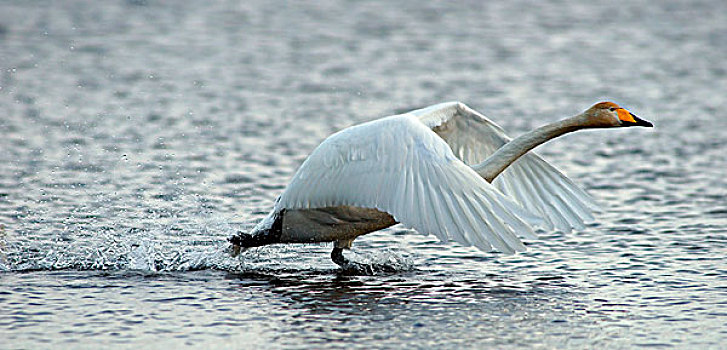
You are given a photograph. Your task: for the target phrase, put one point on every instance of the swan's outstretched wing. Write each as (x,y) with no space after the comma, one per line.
(399,166)
(530,181)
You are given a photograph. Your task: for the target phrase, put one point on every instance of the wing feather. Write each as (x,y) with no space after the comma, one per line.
(496,225)
(518,224)
(482,242)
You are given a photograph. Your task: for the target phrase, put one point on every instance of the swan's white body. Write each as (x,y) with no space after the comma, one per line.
(421,169)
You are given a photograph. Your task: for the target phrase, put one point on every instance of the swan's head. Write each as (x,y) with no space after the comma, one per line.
(609,115)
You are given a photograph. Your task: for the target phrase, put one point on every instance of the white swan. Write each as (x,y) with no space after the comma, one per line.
(432,170)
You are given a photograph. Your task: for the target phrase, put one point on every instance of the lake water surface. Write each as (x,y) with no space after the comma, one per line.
(136,136)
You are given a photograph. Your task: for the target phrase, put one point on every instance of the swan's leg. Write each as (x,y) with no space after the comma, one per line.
(352,267)
(337,253)
(348,266)
(338,258)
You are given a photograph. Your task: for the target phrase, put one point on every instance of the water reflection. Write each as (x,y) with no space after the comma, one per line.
(346,308)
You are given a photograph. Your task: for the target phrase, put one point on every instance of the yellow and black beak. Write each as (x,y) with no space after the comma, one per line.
(629,119)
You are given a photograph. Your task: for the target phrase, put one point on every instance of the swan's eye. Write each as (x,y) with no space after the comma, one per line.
(612,109)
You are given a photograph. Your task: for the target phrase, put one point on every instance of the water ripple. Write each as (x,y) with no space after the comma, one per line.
(131,148)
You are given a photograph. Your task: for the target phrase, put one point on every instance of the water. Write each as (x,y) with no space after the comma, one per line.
(138,135)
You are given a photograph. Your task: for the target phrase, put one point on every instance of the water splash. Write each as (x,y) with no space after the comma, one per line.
(169,247)
(390,259)
(197,245)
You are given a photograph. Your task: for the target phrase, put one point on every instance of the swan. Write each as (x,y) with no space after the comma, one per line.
(445,170)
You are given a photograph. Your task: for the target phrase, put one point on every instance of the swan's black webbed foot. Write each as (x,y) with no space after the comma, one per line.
(241,241)
(234,249)
(349,267)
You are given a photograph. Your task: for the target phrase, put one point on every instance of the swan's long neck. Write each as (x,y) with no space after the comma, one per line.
(511,151)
